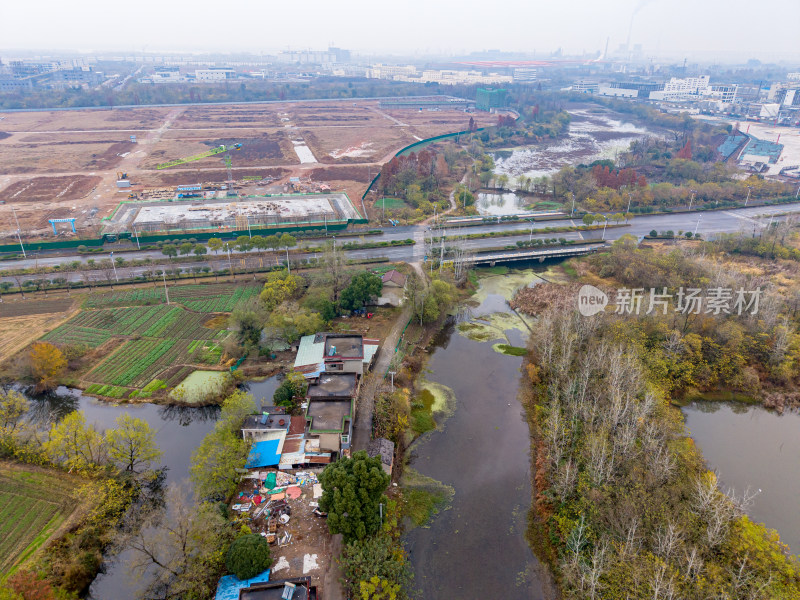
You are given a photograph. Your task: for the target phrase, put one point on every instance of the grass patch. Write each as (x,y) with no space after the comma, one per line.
(391,203)
(510,350)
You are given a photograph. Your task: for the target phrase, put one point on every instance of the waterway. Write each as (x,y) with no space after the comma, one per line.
(752,447)
(179,430)
(476,548)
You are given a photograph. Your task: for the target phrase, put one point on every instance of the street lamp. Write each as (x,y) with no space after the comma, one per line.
(748,196)
(697,225)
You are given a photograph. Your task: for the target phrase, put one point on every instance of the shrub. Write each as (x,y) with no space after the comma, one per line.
(248,556)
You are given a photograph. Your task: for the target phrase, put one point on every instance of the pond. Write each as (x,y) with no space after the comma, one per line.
(477,547)
(179,430)
(750,446)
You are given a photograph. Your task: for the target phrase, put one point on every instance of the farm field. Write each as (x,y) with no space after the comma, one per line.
(157,345)
(33,505)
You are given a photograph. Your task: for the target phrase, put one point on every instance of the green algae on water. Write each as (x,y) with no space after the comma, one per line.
(424,497)
(509,349)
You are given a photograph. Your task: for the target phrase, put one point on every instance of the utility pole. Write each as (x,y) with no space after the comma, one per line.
(748,196)
(572,212)
(441,254)
(19,236)
(288,264)
(166,291)
(605,224)
(250,233)
(392,373)
(113,266)
(230,262)
(136,235)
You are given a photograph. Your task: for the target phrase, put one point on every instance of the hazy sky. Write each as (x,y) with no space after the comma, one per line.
(692,28)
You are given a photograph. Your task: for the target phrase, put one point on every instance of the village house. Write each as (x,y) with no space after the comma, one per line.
(394,288)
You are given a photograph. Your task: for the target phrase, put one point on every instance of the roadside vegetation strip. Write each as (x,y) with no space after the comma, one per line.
(536,231)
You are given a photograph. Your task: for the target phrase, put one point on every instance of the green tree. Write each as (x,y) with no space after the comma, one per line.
(215,244)
(75,444)
(363,287)
(280,286)
(248,556)
(373,557)
(289,324)
(199,250)
(243,243)
(319,300)
(132,444)
(588,219)
(291,390)
(186,248)
(169,250)
(214,465)
(352,488)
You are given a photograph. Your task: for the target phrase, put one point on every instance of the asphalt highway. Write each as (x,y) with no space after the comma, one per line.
(708,223)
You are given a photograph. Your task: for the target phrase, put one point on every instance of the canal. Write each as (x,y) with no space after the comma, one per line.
(476,548)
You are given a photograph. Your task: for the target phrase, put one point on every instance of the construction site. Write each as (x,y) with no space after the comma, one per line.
(289,211)
(80,165)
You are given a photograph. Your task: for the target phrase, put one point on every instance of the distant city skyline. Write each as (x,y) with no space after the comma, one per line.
(675,29)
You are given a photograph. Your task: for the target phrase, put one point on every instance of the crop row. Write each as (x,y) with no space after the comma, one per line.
(22,518)
(112,391)
(130,361)
(67,334)
(223,297)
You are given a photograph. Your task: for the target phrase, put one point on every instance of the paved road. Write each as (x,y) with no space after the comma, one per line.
(362,432)
(707,223)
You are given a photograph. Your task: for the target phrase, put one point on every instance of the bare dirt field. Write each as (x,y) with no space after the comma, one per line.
(23,322)
(68,187)
(58,157)
(133,118)
(83,150)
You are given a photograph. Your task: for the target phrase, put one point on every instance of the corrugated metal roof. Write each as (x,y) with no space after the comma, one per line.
(309,352)
(264,454)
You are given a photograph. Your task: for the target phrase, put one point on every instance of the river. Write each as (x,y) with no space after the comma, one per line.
(179,430)
(476,548)
(750,446)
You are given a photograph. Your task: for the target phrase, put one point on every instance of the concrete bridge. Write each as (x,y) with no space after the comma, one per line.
(493,258)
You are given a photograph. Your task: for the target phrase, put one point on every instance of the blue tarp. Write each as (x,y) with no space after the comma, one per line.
(264,454)
(229,586)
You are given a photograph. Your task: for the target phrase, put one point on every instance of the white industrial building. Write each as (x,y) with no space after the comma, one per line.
(214,74)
